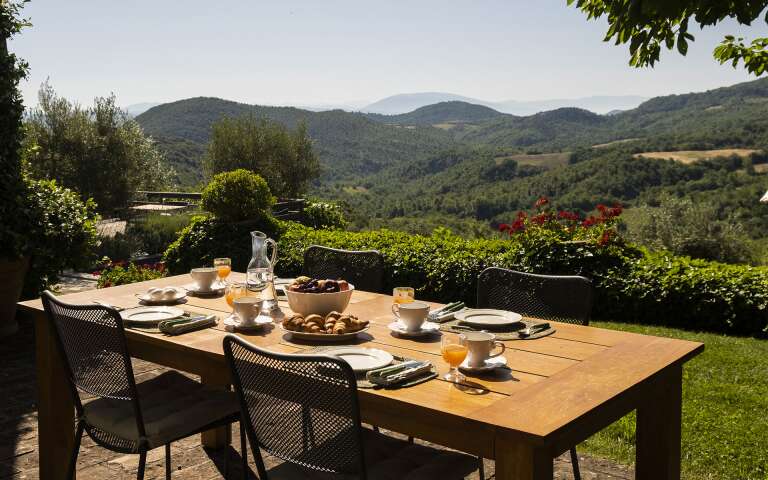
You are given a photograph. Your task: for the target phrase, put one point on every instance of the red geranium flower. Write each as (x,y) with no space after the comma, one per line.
(541,202)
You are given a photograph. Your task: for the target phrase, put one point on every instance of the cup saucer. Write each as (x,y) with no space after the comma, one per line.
(427,328)
(217,288)
(231,323)
(490,365)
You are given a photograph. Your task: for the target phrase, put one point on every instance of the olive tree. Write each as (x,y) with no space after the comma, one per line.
(98,151)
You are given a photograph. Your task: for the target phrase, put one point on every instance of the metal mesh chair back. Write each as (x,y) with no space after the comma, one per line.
(549,297)
(92,339)
(364,269)
(300,408)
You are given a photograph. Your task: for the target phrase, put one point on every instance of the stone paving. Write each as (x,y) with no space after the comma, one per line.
(18,434)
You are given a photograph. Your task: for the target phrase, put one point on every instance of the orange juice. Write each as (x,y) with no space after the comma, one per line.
(454,354)
(233,293)
(224,271)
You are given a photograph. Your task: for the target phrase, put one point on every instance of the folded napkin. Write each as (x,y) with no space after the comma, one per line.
(186,324)
(400,373)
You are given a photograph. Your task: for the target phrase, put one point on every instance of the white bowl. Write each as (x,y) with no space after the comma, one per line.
(319,303)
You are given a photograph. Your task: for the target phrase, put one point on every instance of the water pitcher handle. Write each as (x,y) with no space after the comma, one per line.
(273,259)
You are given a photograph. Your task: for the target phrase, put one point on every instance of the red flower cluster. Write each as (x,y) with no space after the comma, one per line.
(541,202)
(572,216)
(605,238)
(516,226)
(606,214)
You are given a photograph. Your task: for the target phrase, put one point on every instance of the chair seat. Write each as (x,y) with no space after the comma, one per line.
(389,458)
(173,407)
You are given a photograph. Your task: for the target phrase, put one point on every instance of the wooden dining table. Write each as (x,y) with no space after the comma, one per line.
(559,389)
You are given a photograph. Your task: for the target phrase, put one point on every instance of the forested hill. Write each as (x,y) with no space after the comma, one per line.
(347,143)
(441,113)
(358,150)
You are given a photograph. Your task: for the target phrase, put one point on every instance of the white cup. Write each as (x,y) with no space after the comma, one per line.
(412,315)
(247,309)
(204,277)
(480,346)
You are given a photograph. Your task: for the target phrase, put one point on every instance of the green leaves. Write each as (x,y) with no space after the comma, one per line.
(753,55)
(648,24)
(238,195)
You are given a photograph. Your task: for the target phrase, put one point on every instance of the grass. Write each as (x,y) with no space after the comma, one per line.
(691,156)
(725,400)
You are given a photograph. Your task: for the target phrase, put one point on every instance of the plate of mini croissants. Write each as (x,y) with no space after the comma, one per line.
(334,327)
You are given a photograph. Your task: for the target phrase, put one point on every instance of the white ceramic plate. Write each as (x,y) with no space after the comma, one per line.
(216,288)
(234,322)
(323,337)
(490,364)
(150,315)
(427,328)
(181,294)
(362,359)
(486,317)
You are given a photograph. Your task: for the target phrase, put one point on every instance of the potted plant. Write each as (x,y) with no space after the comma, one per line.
(14,206)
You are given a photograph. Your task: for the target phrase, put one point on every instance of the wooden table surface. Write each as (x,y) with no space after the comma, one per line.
(561,388)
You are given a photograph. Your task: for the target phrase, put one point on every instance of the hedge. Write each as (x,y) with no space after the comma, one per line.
(631,284)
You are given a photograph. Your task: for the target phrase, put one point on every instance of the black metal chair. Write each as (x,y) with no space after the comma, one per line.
(364,269)
(304,410)
(117,413)
(560,298)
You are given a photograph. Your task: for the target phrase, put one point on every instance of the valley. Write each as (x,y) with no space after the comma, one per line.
(470,167)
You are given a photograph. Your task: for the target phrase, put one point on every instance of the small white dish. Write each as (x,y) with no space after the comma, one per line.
(427,328)
(231,323)
(487,317)
(177,295)
(490,365)
(150,315)
(216,289)
(362,359)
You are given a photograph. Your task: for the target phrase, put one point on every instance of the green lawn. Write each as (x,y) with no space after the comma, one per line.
(725,409)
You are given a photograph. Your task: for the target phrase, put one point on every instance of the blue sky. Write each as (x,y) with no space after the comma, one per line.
(338,52)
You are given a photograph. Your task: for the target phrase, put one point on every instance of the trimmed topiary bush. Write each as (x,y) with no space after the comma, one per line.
(237,196)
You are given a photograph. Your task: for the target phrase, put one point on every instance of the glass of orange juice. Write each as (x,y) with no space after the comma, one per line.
(403,295)
(235,290)
(223,267)
(454,350)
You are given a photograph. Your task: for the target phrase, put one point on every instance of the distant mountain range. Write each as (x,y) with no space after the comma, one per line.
(139,108)
(407,102)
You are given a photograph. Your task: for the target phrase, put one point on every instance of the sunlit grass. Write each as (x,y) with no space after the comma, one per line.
(725,409)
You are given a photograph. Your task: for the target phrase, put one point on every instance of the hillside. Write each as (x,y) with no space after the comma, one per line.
(447,163)
(442,113)
(347,143)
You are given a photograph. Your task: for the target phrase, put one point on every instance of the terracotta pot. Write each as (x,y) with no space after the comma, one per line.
(12,274)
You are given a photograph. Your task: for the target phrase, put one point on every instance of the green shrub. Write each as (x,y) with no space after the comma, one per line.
(324,215)
(206,238)
(236,196)
(63,233)
(631,285)
(121,246)
(119,273)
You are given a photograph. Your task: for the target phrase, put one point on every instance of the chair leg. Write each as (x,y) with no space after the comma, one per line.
(575,464)
(75,451)
(244,451)
(481,468)
(167,461)
(142,464)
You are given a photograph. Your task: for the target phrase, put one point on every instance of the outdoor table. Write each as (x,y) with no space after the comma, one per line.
(561,388)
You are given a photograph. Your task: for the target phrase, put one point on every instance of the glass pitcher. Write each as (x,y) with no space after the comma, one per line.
(260,276)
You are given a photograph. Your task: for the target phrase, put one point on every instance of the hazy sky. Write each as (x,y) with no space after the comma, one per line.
(329,51)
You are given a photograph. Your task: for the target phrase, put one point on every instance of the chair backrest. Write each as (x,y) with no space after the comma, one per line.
(550,297)
(300,408)
(91,341)
(364,269)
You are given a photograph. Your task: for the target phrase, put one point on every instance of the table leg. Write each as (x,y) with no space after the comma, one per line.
(55,410)
(218,437)
(659,421)
(517,460)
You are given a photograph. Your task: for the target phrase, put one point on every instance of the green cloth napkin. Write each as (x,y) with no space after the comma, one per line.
(178,326)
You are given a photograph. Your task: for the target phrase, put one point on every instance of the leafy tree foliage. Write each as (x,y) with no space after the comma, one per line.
(286,160)
(98,151)
(649,25)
